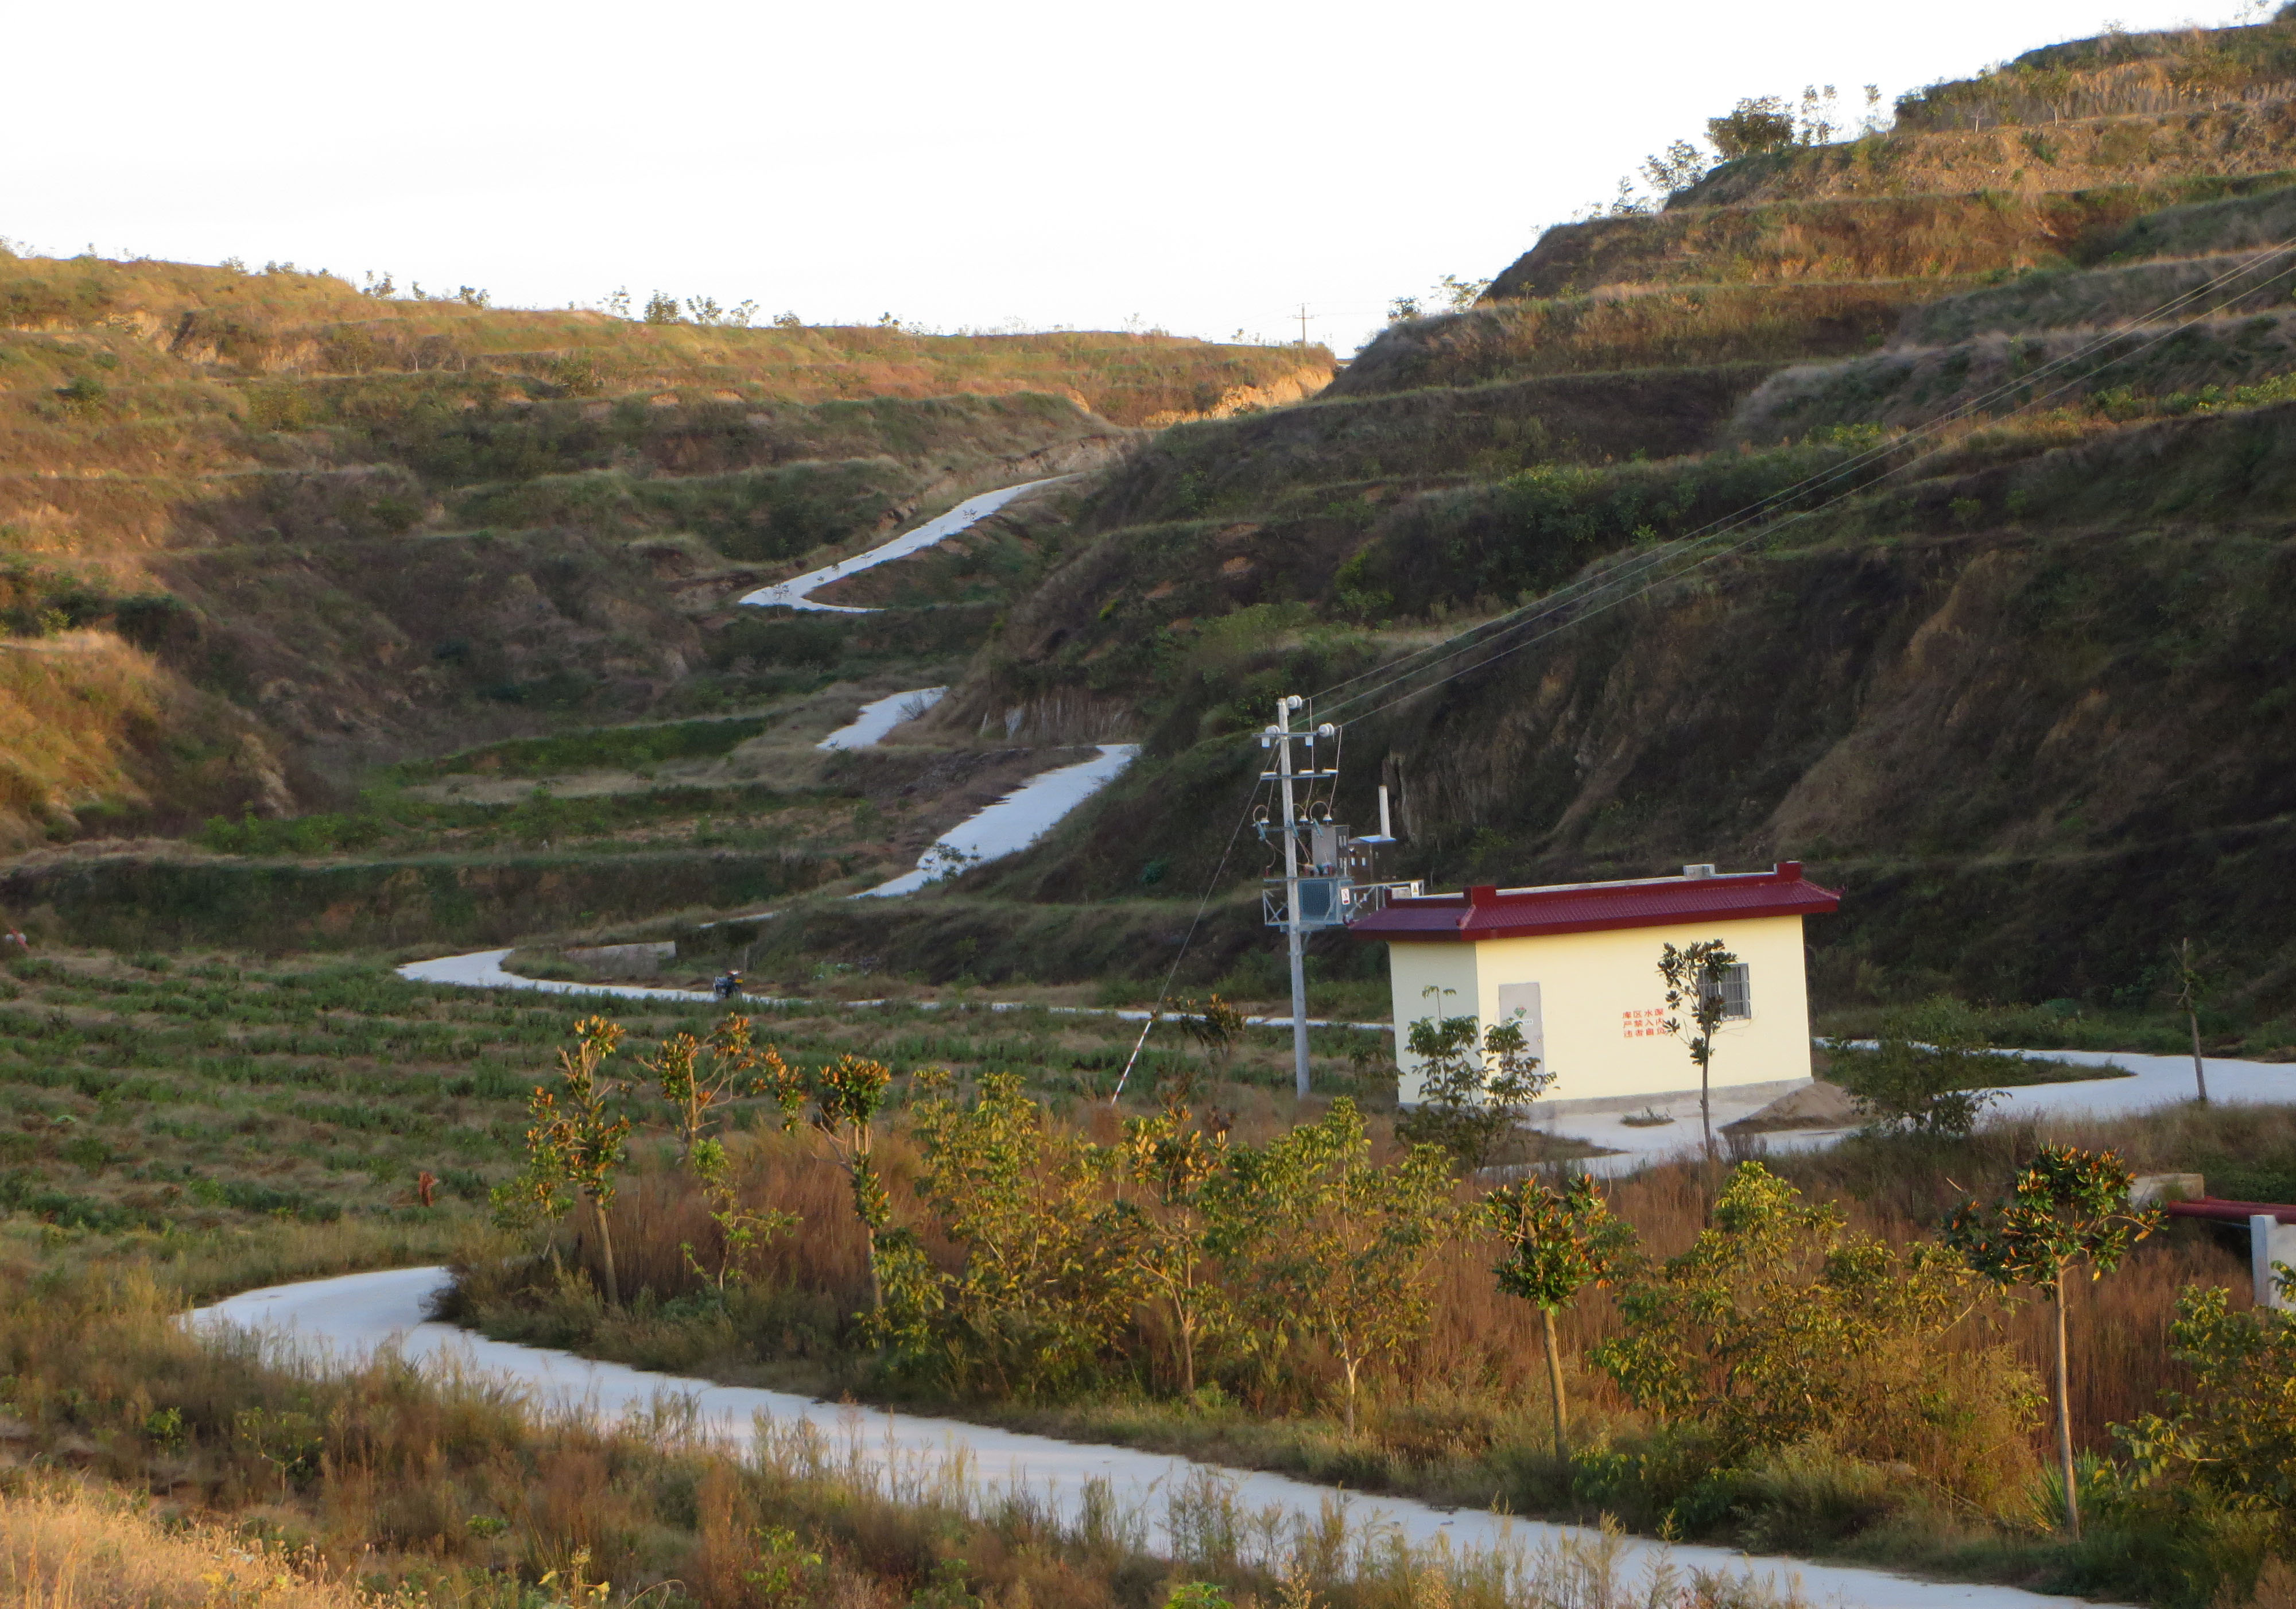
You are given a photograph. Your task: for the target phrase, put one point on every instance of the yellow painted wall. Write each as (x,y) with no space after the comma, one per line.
(1602,1001)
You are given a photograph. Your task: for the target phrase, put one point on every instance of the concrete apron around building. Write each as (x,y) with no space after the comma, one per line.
(345,1319)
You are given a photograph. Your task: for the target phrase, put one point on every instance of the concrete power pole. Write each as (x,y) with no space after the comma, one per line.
(1292,941)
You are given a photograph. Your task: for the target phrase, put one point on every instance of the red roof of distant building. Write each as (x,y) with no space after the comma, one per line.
(1590,908)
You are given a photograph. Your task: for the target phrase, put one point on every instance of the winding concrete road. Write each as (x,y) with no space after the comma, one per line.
(867,729)
(351,1316)
(483,969)
(799,593)
(1014,822)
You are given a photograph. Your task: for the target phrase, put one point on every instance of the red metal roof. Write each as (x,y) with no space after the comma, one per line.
(2231,1212)
(1485,912)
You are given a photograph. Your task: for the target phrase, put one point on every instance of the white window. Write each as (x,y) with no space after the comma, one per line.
(1737,993)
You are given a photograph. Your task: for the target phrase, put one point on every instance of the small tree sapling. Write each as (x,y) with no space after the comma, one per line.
(1694,976)
(1558,1244)
(577,1142)
(2068,1208)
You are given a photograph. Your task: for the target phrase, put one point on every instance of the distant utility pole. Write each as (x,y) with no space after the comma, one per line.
(1303,324)
(1281,735)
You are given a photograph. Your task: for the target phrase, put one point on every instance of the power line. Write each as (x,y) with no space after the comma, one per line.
(1186,939)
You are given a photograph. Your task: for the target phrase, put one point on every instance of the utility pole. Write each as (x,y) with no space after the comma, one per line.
(1292,941)
(1303,324)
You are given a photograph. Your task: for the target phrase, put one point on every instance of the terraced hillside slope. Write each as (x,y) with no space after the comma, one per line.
(2017,672)
(260,530)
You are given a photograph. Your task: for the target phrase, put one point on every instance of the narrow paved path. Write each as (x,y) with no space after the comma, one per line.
(797,594)
(483,969)
(2139,1083)
(880,716)
(1014,822)
(353,1315)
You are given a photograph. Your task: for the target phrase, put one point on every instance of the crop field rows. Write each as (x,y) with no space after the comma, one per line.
(158,1096)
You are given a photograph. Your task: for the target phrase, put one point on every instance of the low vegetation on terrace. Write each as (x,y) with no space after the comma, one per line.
(348,526)
(2118,74)
(172,1092)
(1949,236)
(283,321)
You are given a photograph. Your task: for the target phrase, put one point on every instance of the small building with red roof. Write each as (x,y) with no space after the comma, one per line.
(1579,961)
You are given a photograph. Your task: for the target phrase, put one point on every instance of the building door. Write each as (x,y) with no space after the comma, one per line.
(1524,997)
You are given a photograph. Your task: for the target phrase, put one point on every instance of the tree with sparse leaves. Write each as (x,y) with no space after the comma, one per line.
(2189,985)
(1174,1160)
(1694,977)
(847,1095)
(1215,1025)
(577,1142)
(696,1077)
(1678,167)
(2068,1210)
(1558,1243)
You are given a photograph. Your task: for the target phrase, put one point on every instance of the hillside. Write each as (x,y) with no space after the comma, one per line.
(2021,685)
(260,531)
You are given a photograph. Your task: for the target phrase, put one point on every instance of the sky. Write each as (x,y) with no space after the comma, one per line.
(1200,166)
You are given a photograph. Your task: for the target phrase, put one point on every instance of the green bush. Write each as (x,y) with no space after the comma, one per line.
(1926,1073)
(1778,1327)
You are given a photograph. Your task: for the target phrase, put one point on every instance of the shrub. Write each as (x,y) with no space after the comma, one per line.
(1925,1074)
(1756,124)
(2233,1432)
(1046,1284)
(1779,1327)
(1473,1088)
(83,397)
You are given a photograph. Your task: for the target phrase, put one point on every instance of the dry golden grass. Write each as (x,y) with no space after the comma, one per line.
(1832,239)
(2237,139)
(64,1546)
(171,320)
(445,1490)
(67,702)
(1647,327)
